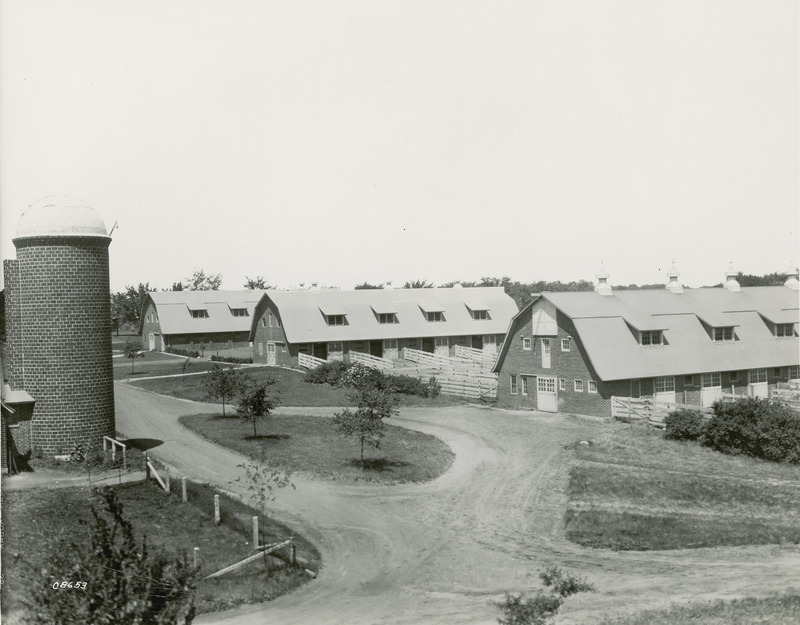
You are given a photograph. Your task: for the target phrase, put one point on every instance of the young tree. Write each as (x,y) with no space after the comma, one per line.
(375,401)
(262,480)
(119,580)
(200,281)
(223,383)
(541,607)
(256,403)
(367,285)
(132,349)
(259,282)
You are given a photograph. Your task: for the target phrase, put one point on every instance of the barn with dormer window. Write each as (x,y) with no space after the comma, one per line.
(572,352)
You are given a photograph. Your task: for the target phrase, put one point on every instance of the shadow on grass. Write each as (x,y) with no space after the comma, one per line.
(261,437)
(381,465)
(143,444)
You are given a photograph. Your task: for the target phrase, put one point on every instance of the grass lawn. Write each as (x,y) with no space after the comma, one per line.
(155,363)
(312,446)
(633,490)
(290,388)
(34,521)
(778,610)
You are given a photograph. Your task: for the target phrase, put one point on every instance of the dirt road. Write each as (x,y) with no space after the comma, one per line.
(439,552)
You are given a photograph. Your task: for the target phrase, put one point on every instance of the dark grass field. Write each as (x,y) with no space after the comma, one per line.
(35,522)
(634,490)
(782,609)
(290,387)
(312,446)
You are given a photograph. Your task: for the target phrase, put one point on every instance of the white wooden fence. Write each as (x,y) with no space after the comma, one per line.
(644,408)
(368,360)
(309,362)
(470,353)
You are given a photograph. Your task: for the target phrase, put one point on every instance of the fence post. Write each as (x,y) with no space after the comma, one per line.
(124,459)
(147,467)
(196,556)
(293,554)
(167,481)
(183,489)
(255,532)
(216,509)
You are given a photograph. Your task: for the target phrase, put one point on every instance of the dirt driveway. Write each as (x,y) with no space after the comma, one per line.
(439,552)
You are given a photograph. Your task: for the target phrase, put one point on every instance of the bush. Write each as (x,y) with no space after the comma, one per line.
(755,427)
(330,372)
(182,352)
(232,359)
(684,425)
(409,386)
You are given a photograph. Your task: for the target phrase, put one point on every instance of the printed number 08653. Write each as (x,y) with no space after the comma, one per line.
(77,585)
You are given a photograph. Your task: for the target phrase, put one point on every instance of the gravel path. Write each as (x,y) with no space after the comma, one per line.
(439,552)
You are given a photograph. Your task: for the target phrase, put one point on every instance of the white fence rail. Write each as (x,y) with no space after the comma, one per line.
(309,362)
(643,408)
(113,443)
(368,360)
(478,355)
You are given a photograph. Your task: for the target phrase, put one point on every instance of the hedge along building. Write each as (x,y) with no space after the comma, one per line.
(330,324)
(191,319)
(571,352)
(58,330)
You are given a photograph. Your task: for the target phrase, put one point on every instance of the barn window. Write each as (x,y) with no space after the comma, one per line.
(562,384)
(335,320)
(199,314)
(592,386)
(480,315)
(526,343)
(240,312)
(565,345)
(513,383)
(724,334)
(579,386)
(387,318)
(434,316)
(651,337)
(784,329)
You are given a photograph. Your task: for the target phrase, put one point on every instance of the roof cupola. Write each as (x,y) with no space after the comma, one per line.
(730,280)
(791,279)
(673,285)
(602,282)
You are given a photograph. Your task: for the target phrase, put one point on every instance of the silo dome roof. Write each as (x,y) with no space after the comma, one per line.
(60,216)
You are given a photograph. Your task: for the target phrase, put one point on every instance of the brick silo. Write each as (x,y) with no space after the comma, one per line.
(59,323)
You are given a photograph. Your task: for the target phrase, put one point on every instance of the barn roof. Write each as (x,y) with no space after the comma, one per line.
(174,310)
(302,313)
(606,323)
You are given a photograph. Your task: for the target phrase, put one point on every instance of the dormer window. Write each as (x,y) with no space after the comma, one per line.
(784,329)
(200,313)
(434,315)
(387,318)
(651,337)
(335,320)
(724,334)
(240,312)
(481,315)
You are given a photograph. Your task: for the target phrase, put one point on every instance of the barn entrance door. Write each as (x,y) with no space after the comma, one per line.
(427,345)
(477,342)
(711,389)
(152,339)
(664,390)
(757,383)
(270,353)
(546,394)
(376,349)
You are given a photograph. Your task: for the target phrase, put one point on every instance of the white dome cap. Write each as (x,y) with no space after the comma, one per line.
(60,216)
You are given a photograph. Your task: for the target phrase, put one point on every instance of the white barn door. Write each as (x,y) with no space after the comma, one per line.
(757,383)
(270,353)
(711,389)
(546,399)
(664,389)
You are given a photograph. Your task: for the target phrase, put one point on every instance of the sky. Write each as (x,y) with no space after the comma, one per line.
(348,141)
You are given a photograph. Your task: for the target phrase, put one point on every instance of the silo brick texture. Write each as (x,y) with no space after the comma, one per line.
(63,342)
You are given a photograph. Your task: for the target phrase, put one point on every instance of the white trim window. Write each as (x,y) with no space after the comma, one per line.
(578,386)
(724,334)
(200,313)
(651,337)
(784,330)
(481,315)
(756,376)
(711,380)
(566,344)
(665,384)
(434,316)
(794,372)
(387,318)
(526,343)
(334,347)
(390,344)
(525,383)
(442,341)
(336,320)
(512,381)
(240,312)
(592,386)
(562,384)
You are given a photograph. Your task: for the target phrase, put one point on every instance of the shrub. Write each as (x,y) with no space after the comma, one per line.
(434,388)
(330,372)
(232,359)
(755,427)
(183,352)
(684,425)
(409,386)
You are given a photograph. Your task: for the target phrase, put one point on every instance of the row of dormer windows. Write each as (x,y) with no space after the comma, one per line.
(202,313)
(432,316)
